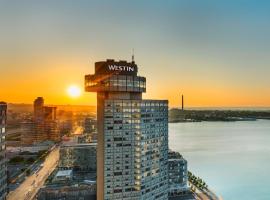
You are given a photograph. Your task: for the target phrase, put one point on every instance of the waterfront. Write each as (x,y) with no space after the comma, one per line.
(232,157)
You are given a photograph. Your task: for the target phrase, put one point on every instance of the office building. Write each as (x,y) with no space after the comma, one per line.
(132,151)
(89,125)
(28,133)
(65,127)
(78,156)
(3,160)
(82,191)
(39,109)
(43,126)
(178,177)
(69,185)
(75,176)
(90,128)
(86,138)
(51,129)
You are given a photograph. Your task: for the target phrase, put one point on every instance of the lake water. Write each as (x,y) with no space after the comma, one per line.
(232,157)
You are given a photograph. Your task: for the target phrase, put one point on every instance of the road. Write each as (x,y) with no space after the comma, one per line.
(29,188)
(205,194)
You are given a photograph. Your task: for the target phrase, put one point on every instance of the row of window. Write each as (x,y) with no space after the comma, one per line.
(144,132)
(136,103)
(126,83)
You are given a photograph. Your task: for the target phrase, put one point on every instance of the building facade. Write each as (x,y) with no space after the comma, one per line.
(28,132)
(3,161)
(89,125)
(178,175)
(73,192)
(69,185)
(80,156)
(132,150)
(38,109)
(44,125)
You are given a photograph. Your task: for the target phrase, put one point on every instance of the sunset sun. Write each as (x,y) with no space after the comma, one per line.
(74,91)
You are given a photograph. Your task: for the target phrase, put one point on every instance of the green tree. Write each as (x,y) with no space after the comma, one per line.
(28,171)
(16,159)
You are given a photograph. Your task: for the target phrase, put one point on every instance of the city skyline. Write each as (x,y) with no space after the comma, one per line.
(132,100)
(215,53)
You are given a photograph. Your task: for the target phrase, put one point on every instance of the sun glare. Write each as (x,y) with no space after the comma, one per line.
(74,91)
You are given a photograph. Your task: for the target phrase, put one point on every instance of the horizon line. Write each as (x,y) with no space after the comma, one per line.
(171,107)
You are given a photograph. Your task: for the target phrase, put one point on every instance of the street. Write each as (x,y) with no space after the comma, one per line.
(29,188)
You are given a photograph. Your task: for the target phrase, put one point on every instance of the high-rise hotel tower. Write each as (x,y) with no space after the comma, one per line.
(3,166)
(132,150)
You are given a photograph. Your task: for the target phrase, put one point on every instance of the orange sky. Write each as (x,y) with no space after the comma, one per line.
(216,55)
(51,79)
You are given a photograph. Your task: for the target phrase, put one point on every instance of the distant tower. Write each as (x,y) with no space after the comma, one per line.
(182,102)
(133,61)
(38,109)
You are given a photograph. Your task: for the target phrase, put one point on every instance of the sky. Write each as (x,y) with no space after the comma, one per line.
(216,53)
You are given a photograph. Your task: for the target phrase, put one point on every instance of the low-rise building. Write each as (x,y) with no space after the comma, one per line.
(75,176)
(69,185)
(85,138)
(63,175)
(178,177)
(55,192)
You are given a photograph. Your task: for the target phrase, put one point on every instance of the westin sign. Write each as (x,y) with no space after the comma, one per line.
(121,68)
(111,67)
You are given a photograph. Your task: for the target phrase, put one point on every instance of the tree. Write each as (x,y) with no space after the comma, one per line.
(28,171)
(16,159)
(30,160)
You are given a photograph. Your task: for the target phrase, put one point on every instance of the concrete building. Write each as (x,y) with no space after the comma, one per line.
(82,191)
(65,126)
(86,138)
(63,175)
(28,132)
(39,109)
(43,126)
(79,156)
(89,125)
(75,176)
(69,185)
(178,177)
(49,126)
(132,150)
(45,122)
(3,161)
(90,128)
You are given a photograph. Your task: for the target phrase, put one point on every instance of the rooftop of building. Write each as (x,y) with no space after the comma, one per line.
(74,142)
(63,173)
(174,155)
(185,196)
(111,66)
(112,61)
(76,178)
(79,144)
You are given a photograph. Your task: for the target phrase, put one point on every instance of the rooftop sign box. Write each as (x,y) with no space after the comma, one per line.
(113,67)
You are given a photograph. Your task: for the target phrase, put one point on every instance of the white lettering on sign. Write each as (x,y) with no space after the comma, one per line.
(121,68)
